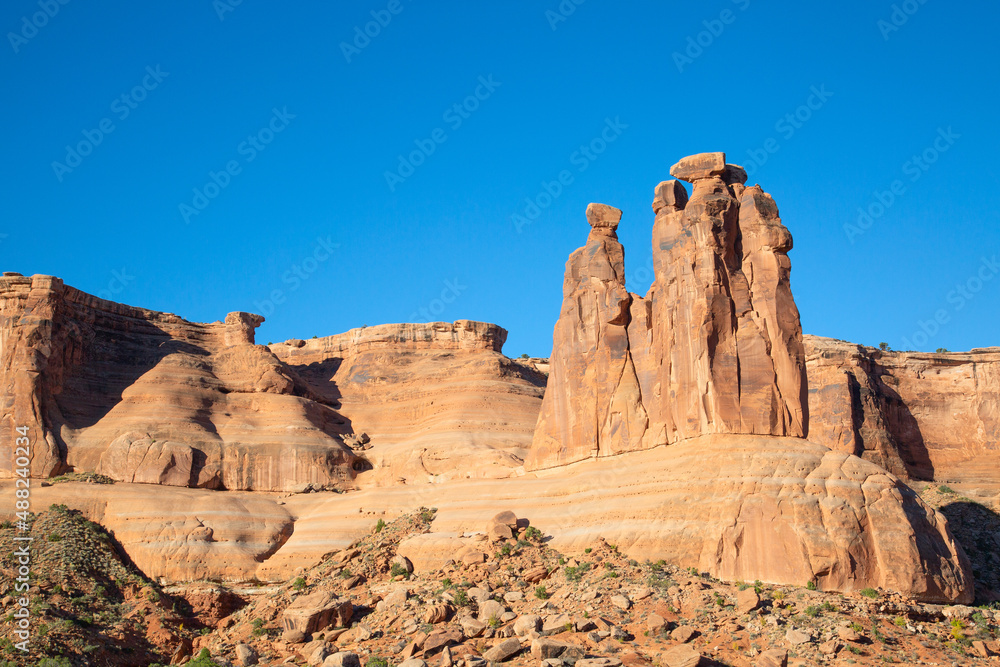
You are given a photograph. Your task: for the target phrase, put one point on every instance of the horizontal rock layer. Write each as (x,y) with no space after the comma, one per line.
(782,510)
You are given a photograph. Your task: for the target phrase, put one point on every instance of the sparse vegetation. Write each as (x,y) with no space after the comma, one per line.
(541,593)
(299,584)
(380,525)
(870,593)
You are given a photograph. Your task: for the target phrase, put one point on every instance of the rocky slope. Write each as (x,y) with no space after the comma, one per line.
(508,597)
(929,416)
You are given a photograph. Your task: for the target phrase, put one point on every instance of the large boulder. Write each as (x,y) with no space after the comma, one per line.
(317,611)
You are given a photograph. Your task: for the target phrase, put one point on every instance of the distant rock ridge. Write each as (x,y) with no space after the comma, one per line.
(460,335)
(921,415)
(439,400)
(143,396)
(714,347)
(147,396)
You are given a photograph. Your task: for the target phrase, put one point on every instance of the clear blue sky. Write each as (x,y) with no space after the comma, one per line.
(446,229)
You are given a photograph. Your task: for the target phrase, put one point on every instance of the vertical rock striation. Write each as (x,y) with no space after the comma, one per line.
(594,399)
(714,347)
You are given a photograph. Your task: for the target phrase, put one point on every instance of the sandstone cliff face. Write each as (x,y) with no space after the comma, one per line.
(714,347)
(920,415)
(439,401)
(714,353)
(147,396)
(594,399)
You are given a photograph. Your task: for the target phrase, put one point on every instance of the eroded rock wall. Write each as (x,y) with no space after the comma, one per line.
(927,416)
(145,396)
(439,401)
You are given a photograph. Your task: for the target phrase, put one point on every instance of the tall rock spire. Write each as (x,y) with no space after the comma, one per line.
(714,347)
(593,406)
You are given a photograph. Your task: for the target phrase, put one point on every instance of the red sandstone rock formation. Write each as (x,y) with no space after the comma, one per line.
(149,397)
(594,400)
(715,352)
(438,401)
(929,416)
(716,345)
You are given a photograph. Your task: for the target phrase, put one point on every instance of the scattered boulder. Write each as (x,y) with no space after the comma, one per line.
(797,637)
(309,613)
(746,601)
(342,659)
(772,658)
(526,624)
(246,655)
(681,656)
(503,650)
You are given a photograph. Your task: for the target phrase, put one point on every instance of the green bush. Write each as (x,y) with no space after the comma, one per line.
(541,593)
(379,526)
(299,584)
(811,585)
(870,593)
(533,534)
(54,662)
(204,659)
(398,570)
(377,661)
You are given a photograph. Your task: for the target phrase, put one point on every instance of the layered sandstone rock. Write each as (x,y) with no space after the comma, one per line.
(782,510)
(149,397)
(438,401)
(714,352)
(593,406)
(714,347)
(929,416)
